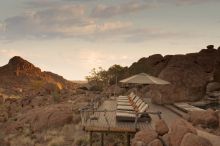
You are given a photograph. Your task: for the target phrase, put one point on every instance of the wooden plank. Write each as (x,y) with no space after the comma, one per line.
(128,139)
(102,139)
(101,125)
(90,138)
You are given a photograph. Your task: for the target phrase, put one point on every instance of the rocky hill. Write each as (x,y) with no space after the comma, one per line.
(189,74)
(21,76)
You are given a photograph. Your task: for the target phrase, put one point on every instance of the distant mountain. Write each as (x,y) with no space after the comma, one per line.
(21,75)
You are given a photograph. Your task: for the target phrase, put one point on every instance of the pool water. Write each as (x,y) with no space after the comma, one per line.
(215,106)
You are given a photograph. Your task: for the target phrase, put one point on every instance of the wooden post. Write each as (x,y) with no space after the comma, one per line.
(128,139)
(102,139)
(90,138)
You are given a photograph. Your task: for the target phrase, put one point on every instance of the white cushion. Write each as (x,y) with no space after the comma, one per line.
(136,99)
(142,105)
(124,114)
(139,103)
(144,108)
(124,107)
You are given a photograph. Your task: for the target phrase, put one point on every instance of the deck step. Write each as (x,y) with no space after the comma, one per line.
(176,110)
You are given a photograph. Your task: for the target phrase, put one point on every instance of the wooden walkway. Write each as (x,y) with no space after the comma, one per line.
(106,121)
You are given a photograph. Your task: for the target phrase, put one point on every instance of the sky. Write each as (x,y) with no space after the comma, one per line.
(70,37)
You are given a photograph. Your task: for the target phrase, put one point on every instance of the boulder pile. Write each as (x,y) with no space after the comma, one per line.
(189,75)
(41,118)
(181,133)
(206,119)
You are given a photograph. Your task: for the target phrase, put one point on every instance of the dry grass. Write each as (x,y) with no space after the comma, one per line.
(22,141)
(57,141)
(50,134)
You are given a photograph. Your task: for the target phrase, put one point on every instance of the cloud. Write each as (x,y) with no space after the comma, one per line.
(9,53)
(113,26)
(106,11)
(190,2)
(93,58)
(146,34)
(73,21)
(182,2)
(2,27)
(51,22)
(42,3)
(58,22)
(132,6)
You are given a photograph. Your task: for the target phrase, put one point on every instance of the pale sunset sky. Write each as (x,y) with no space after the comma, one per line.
(70,37)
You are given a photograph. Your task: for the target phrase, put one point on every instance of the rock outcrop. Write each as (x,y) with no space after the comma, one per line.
(182,133)
(178,129)
(188,74)
(145,137)
(206,119)
(153,65)
(161,127)
(193,140)
(41,118)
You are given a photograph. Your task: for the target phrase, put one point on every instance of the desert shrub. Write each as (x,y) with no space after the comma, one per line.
(38,84)
(56,97)
(68,131)
(22,141)
(82,142)
(96,88)
(50,134)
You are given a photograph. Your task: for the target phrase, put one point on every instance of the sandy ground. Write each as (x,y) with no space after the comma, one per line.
(170,116)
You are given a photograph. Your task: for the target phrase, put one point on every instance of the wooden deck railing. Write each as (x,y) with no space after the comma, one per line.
(88,112)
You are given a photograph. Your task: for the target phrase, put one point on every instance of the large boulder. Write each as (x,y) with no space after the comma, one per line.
(145,136)
(161,127)
(155,142)
(188,81)
(213,86)
(178,129)
(151,65)
(166,139)
(217,71)
(206,59)
(207,118)
(193,140)
(42,118)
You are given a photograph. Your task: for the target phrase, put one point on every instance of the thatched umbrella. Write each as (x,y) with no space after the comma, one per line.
(144,78)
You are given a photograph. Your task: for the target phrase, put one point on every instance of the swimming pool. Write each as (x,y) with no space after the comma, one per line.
(213,105)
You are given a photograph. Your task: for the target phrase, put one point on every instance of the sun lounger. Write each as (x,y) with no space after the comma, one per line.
(122,107)
(131,116)
(136,99)
(118,100)
(124,103)
(125,97)
(128,99)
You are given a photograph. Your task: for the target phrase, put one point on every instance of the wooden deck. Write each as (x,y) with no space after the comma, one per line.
(106,121)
